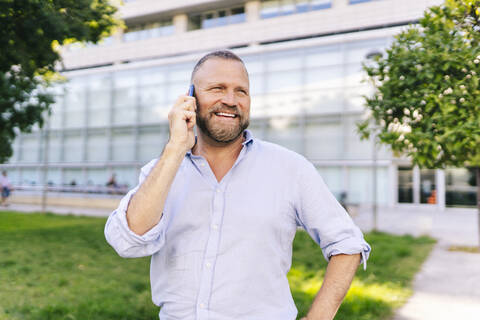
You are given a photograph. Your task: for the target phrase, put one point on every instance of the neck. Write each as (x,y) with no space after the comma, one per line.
(213,150)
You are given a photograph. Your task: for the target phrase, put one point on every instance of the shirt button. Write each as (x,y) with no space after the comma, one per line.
(208,264)
(202,164)
(218,190)
(215,226)
(202,305)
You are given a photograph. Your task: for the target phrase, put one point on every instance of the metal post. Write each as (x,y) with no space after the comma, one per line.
(370,57)
(478,203)
(45,165)
(374,184)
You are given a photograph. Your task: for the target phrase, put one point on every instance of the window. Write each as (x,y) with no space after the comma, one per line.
(75,102)
(30,148)
(275,8)
(151,142)
(302,6)
(73,147)
(124,98)
(285,131)
(237,15)
(270,9)
(217,18)
(460,187)
(54,176)
(287,7)
(30,176)
(123,145)
(73,177)
(428,188)
(97,146)
(55,147)
(360,1)
(405,184)
(126,177)
(323,140)
(149,30)
(57,108)
(100,100)
(320,4)
(97,177)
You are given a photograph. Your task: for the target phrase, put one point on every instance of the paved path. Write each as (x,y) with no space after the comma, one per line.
(448,285)
(93,212)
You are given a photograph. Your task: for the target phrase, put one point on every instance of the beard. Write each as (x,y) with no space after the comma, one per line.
(219,132)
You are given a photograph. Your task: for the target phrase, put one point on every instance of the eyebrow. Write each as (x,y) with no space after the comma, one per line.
(222,84)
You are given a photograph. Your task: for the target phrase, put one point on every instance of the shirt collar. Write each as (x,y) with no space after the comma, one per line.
(248,141)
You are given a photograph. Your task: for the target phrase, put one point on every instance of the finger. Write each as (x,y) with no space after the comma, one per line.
(182,99)
(191,118)
(189,115)
(189,105)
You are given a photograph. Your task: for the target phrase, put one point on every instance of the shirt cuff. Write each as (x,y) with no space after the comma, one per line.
(349,246)
(121,212)
(127,243)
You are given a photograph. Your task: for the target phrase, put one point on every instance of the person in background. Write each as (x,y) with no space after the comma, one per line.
(112,182)
(6,187)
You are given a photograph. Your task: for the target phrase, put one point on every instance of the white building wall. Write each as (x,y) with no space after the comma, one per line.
(339,18)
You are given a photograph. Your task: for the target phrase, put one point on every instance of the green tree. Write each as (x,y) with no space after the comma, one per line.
(427,99)
(31,32)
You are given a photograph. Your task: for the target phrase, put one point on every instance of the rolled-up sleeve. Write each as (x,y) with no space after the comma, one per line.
(325,220)
(118,234)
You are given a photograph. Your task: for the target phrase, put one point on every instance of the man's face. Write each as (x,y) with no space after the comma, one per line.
(223,99)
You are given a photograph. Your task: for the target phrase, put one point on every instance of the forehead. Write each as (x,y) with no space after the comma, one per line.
(222,70)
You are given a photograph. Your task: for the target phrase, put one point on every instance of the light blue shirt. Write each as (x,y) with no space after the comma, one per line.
(222,250)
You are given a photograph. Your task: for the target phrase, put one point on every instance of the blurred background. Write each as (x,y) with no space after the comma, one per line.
(305,60)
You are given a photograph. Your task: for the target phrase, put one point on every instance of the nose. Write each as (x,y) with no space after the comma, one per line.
(229,98)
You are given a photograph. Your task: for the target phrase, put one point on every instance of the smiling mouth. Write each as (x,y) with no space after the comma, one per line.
(226,115)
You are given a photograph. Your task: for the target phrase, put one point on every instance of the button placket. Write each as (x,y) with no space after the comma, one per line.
(207,273)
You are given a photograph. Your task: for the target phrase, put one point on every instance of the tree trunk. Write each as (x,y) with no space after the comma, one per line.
(478,204)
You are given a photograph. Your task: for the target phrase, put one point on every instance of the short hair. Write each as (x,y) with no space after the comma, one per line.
(220,54)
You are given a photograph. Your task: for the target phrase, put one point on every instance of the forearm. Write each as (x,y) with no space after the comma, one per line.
(338,277)
(146,206)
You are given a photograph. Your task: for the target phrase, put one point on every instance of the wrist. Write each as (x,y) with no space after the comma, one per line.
(174,148)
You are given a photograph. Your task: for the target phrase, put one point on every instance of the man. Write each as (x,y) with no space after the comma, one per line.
(6,187)
(218,212)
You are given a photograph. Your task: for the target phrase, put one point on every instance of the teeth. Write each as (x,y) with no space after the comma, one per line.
(225,114)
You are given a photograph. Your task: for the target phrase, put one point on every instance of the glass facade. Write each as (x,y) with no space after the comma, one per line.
(361,1)
(306,99)
(276,8)
(216,18)
(149,30)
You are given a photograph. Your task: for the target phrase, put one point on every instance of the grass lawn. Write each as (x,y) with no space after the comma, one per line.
(60,267)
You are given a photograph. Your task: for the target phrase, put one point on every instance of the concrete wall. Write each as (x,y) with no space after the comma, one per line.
(82,201)
(339,18)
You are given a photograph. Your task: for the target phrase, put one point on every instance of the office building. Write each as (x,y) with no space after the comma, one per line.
(305,63)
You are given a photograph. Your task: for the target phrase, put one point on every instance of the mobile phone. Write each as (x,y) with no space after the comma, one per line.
(191,91)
